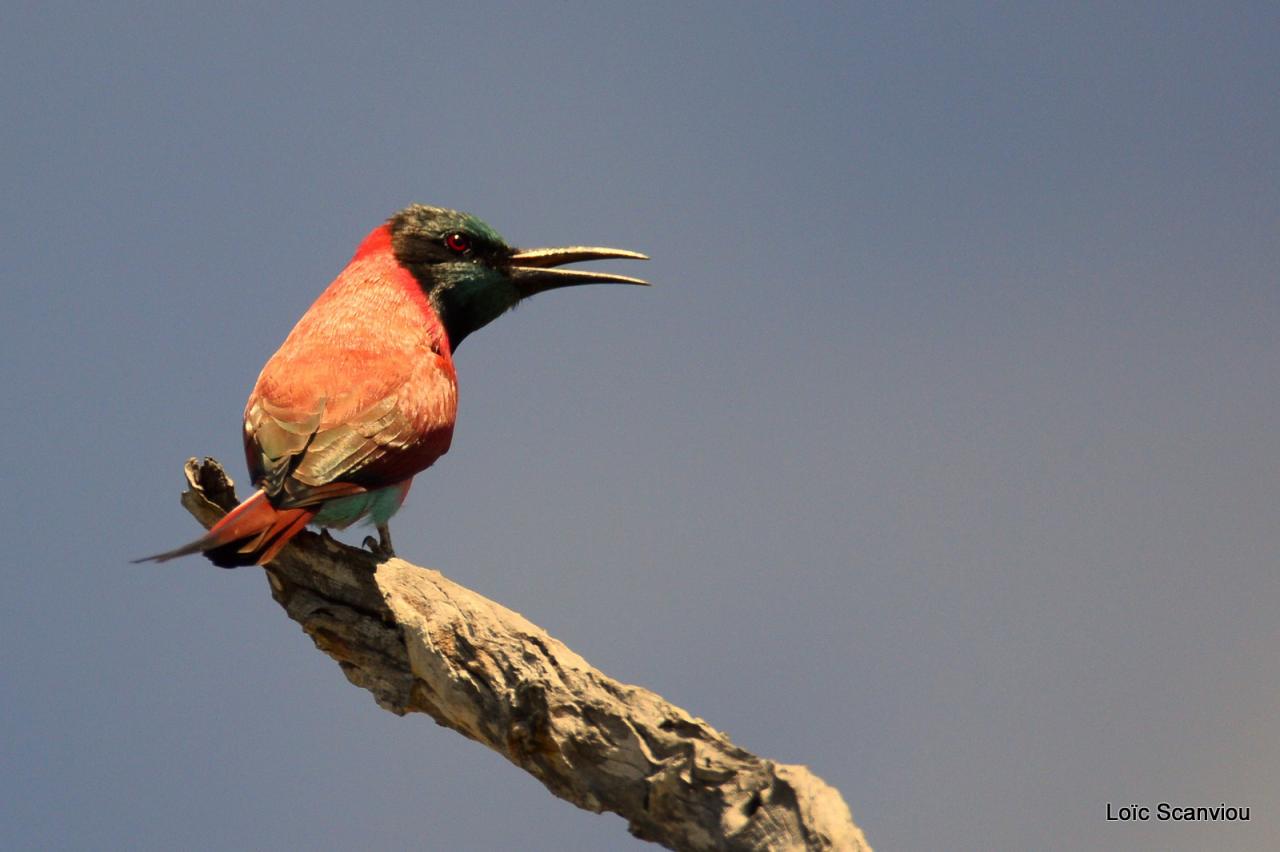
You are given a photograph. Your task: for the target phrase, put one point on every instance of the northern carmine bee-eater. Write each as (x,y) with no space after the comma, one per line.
(362,395)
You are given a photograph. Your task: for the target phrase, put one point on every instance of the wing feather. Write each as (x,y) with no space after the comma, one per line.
(341,420)
(375,448)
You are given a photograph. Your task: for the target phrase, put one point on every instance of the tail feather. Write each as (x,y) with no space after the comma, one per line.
(250,534)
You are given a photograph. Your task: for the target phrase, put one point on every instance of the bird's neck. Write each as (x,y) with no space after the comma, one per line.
(464,296)
(469,299)
(378,242)
(373,303)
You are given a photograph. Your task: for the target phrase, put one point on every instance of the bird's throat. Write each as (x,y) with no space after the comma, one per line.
(468,297)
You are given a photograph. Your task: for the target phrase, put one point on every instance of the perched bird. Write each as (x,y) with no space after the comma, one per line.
(362,395)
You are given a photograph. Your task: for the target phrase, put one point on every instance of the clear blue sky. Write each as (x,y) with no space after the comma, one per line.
(943,457)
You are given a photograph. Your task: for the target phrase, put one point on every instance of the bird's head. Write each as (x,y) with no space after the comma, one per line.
(470,274)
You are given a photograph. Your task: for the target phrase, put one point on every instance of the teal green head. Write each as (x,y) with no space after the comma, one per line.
(471,276)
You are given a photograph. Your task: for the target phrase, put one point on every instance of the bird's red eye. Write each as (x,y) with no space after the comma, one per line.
(457,242)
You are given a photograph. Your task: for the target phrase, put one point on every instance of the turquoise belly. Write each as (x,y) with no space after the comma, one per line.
(376,506)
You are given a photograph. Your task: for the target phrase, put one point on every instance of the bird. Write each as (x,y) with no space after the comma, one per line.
(362,395)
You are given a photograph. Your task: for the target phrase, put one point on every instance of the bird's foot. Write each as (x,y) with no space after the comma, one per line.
(381,547)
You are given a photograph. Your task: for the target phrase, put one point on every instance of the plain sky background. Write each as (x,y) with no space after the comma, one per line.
(944,456)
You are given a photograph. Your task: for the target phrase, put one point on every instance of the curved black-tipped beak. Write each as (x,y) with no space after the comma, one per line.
(533,270)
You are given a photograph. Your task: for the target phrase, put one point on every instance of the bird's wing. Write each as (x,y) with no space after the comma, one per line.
(303,457)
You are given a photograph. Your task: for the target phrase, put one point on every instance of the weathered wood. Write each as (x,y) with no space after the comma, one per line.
(421,643)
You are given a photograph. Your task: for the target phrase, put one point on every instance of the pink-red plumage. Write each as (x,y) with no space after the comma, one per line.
(362,394)
(362,391)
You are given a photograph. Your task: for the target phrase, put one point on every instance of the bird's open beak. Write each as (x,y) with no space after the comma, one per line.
(533,270)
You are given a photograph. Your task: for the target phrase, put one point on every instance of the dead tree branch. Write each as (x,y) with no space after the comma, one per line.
(421,643)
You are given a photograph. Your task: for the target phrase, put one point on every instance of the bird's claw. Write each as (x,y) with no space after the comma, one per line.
(381,546)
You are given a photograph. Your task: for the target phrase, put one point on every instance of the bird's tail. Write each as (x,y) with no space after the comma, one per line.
(250,534)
